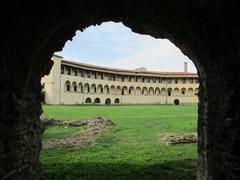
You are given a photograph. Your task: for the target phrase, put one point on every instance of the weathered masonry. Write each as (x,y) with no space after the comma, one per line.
(206,31)
(71,82)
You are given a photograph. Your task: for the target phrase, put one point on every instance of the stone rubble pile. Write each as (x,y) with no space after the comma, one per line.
(191,138)
(86,138)
(95,121)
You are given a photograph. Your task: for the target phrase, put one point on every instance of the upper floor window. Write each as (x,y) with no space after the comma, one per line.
(184,81)
(88,75)
(68,71)
(176,81)
(169,81)
(191,81)
(101,76)
(129,79)
(75,72)
(123,79)
(81,74)
(143,80)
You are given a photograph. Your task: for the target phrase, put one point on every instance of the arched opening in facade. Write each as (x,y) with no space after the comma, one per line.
(205,43)
(88,101)
(99,89)
(157,91)
(80,87)
(131,90)
(176,91)
(67,86)
(116,101)
(97,100)
(112,90)
(169,92)
(86,88)
(138,91)
(151,91)
(118,90)
(108,101)
(74,86)
(93,88)
(183,91)
(176,102)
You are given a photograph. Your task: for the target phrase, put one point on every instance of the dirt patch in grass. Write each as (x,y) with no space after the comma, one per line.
(82,139)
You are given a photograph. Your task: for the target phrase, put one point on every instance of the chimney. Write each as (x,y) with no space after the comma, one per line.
(185,67)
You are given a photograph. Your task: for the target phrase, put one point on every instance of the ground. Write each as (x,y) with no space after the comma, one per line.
(132,149)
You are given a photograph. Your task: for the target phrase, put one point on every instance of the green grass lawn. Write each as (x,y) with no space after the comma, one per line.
(130,150)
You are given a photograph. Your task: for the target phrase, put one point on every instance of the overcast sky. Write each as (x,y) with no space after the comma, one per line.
(115,45)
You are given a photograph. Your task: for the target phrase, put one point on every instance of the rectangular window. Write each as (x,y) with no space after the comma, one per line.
(75,72)
(68,71)
(62,69)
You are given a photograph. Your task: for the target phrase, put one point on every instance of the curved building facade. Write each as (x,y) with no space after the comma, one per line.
(71,82)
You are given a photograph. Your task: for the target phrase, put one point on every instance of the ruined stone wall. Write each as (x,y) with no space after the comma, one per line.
(206,31)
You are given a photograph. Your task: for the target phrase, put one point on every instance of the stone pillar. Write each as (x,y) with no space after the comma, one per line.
(20,109)
(219,119)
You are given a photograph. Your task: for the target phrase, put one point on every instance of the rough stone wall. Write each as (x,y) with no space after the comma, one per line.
(206,31)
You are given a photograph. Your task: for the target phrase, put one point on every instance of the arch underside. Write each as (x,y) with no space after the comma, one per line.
(32,31)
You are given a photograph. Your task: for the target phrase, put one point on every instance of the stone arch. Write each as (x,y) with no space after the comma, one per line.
(176,101)
(183,91)
(100,89)
(144,91)
(97,101)
(169,91)
(80,87)
(112,90)
(163,92)
(67,86)
(93,88)
(108,101)
(138,91)
(157,91)
(106,89)
(118,90)
(124,90)
(117,101)
(176,91)
(86,88)
(198,19)
(74,86)
(190,91)
(88,100)
(151,91)
(131,90)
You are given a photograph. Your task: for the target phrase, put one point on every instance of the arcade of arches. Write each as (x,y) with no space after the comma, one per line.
(206,31)
(78,82)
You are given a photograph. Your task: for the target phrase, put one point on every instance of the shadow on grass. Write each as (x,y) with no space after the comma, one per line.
(170,170)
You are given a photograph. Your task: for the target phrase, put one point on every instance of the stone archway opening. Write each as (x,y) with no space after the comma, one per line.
(176,102)
(201,29)
(146,87)
(108,101)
